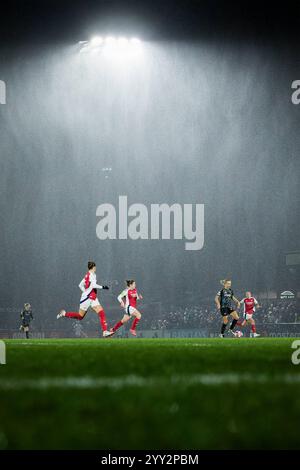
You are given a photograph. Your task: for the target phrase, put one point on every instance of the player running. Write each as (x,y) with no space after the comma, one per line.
(89,287)
(249,304)
(223,302)
(131,296)
(26,317)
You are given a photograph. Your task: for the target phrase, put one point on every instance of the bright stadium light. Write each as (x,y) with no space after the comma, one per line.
(123,42)
(110,40)
(120,48)
(135,41)
(96,41)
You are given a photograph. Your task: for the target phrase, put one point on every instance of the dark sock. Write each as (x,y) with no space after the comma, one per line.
(223,328)
(27,335)
(233,323)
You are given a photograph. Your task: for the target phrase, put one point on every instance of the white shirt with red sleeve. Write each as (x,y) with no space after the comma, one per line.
(89,286)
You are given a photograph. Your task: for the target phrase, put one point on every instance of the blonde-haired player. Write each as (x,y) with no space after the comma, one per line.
(223,300)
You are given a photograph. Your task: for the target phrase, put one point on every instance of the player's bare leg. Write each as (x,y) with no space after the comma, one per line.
(75,315)
(253,328)
(26,331)
(135,322)
(224,324)
(120,323)
(102,318)
(235,318)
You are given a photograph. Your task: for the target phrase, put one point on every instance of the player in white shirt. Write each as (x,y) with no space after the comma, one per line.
(88,287)
(249,304)
(128,300)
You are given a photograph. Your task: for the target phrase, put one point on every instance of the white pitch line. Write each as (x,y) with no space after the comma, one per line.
(118,383)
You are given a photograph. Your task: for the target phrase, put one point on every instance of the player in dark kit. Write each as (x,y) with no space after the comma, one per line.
(223,300)
(26,317)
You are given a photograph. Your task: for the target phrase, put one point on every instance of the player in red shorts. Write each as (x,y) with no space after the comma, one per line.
(249,304)
(128,299)
(88,287)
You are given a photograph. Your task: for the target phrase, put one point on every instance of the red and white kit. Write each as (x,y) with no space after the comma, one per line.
(131,297)
(88,287)
(249,304)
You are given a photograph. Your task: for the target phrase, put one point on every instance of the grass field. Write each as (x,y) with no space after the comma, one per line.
(149,394)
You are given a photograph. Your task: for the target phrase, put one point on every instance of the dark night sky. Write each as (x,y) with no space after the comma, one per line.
(71,20)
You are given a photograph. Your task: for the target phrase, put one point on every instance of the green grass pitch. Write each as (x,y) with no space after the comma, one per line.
(150,394)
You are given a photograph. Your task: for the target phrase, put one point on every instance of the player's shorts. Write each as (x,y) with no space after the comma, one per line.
(129,310)
(247,316)
(226,311)
(85,304)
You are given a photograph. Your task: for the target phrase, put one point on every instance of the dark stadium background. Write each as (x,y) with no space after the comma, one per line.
(211,121)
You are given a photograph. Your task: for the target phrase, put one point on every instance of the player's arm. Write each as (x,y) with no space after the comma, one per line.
(137,296)
(97,286)
(238,304)
(94,284)
(256,304)
(82,286)
(121,297)
(217,301)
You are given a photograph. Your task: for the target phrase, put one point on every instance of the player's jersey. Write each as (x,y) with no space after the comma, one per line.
(89,286)
(131,297)
(26,317)
(249,305)
(225,296)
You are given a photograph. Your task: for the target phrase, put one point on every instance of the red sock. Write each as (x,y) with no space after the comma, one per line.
(253,328)
(102,318)
(134,323)
(73,315)
(117,326)
(240,322)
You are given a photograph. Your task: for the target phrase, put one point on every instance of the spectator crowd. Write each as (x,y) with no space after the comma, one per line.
(196,316)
